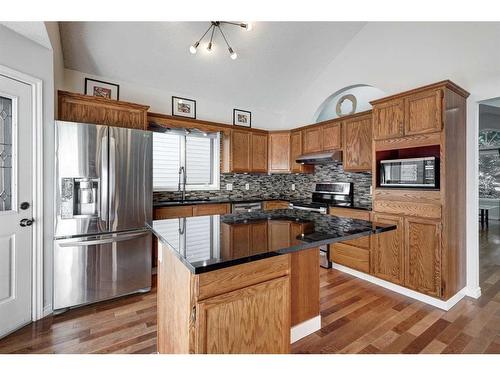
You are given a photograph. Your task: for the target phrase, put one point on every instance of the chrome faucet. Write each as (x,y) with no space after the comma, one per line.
(182,172)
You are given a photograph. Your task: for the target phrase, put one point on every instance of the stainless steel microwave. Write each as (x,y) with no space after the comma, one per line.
(414,172)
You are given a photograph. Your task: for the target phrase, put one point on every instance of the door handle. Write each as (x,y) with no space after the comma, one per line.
(26,222)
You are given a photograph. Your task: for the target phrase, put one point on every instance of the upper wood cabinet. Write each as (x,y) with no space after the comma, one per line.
(332,137)
(423,112)
(423,255)
(388,119)
(259,152)
(241,141)
(313,139)
(95,110)
(358,144)
(295,152)
(279,152)
(387,252)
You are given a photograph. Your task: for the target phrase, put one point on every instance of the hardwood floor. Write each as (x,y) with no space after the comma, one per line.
(357,317)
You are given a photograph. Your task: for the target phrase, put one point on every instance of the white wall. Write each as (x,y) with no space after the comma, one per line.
(23,55)
(399,56)
(160,101)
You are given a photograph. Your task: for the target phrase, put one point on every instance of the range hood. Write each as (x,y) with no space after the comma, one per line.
(320,158)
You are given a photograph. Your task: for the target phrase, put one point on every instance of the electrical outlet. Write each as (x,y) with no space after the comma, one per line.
(247,186)
(293,187)
(370,190)
(229,187)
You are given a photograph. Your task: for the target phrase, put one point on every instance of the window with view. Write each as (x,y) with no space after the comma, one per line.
(197,154)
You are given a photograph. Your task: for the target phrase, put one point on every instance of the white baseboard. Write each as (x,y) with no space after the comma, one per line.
(444,305)
(473,292)
(47,310)
(305,328)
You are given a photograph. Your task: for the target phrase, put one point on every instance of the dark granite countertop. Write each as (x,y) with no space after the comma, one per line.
(202,244)
(166,203)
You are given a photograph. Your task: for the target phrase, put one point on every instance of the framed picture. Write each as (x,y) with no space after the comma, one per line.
(183,107)
(94,87)
(242,118)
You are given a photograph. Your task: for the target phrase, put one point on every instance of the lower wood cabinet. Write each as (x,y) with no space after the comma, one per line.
(423,255)
(387,260)
(275,205)
(173,212)
(254,319)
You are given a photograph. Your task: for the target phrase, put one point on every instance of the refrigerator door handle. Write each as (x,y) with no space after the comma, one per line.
(104,180)
(123,237)
(112,181)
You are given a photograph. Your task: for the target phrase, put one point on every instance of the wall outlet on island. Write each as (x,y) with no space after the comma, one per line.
(293,187)
(371,190)
(247,186)
(229,187)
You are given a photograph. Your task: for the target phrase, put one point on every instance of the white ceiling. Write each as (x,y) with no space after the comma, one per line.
(276,60)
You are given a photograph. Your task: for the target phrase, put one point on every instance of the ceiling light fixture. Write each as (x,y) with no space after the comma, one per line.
(217,25)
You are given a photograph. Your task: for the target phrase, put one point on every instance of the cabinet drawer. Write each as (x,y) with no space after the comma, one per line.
(211,209)
(425,210)
(228,279)
(275,205)
(350,256)
(172,212)
(350,213)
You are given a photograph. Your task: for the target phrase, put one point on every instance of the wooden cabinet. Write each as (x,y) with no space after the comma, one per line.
(332,136)
(358,144)
(423,255)
(259,152)
(279,152)
(95,110)
(387,251)
(211,209)
(423,112)
(279,234)
(255,320)
(388,119)
(259,238)
(274,205)
(240,151)
(352,253)
(295,152)
(313,139)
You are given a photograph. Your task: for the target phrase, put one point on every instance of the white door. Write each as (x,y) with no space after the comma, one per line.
(15,204)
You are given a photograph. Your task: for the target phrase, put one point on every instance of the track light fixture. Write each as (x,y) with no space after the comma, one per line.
(217,25)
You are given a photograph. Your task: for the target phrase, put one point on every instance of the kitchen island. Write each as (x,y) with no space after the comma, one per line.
(246,282)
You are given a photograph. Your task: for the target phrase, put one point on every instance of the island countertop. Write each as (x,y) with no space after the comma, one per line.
(207,243)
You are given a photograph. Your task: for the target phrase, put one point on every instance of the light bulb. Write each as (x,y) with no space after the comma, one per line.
(233,54)
(193,48)
(209,47)
(248,26)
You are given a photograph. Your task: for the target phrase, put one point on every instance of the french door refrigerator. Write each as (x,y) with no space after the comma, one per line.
(103,199)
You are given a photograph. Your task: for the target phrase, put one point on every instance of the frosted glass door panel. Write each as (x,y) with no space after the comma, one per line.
(5,154)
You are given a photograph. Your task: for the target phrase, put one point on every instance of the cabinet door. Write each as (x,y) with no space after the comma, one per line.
(387,252)
(240,240)
(295,152)
(423,112)
(255,319)
(388,119)
(332,137)
(172,212)
(259,240)
(279,234)
(259,152)
(313,139)
(358,144)
(279,152)
(423,255)
(240,151)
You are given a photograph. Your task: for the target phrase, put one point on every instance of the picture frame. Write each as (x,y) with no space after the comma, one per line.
(102,89)
(242,118)
(183,107)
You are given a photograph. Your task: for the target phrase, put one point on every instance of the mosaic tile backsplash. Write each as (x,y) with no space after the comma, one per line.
(280,185)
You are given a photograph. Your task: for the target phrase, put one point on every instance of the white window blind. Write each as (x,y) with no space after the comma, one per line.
(166,159)
(199,155)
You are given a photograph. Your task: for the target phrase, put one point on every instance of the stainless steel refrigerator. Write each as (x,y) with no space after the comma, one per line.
(103,199)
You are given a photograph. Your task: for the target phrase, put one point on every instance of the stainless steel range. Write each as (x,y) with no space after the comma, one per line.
(339,194)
